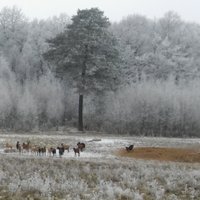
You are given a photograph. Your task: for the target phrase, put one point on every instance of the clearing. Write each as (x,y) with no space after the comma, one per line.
(191,155)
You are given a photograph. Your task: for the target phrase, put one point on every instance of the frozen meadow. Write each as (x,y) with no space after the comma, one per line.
(98,173)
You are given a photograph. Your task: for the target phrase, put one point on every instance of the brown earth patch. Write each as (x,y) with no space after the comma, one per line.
(163,154)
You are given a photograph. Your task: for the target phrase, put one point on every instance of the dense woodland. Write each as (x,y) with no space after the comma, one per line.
(156,92)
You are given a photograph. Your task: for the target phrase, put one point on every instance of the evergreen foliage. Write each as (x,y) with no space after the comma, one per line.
(86,50)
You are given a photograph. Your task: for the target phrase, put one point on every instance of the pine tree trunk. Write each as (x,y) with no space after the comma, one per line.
(80,113)
(80,110)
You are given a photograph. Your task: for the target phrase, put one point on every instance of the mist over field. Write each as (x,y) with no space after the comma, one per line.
(157,92)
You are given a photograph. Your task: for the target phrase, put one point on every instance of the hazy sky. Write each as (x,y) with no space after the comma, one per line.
(113,9)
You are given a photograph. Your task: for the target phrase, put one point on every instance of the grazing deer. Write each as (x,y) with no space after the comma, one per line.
(65,146)
(81,146)
(76,151)
(34,149)
(61,150)
(9,146)
(26,146)
(130,148)
(41,151)
(52,151)
(19,147)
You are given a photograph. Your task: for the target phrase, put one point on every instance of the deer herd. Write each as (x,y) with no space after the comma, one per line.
(49,151)
(43,150)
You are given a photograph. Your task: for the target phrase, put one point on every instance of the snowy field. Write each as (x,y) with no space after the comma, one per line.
(98,173)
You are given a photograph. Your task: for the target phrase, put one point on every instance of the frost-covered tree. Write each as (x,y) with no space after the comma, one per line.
(13,34)
(9,93)
(135,36)
(87,51)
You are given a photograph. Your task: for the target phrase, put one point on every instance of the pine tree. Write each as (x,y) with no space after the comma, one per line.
(88,52)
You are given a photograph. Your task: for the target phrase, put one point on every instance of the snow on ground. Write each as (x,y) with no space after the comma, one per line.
(100,146)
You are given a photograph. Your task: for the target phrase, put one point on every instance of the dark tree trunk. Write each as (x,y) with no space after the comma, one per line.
(80,109)
(80,113)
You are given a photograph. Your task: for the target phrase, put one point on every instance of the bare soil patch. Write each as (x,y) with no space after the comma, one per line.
(163,154)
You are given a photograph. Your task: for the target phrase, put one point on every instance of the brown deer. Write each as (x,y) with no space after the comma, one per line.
(26,146)
(9,146)
(65,146)
(130,148)
(76,151)
(52,151)
(81,146)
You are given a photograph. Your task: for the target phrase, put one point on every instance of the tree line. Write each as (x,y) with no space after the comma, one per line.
(137,76)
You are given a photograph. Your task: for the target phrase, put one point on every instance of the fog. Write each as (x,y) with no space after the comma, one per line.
(158,93)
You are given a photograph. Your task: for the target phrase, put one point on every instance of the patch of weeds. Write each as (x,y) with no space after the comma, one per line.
(92,180)
(58,195)
(147,195)
(124,197)
(31,194)
(160,180)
